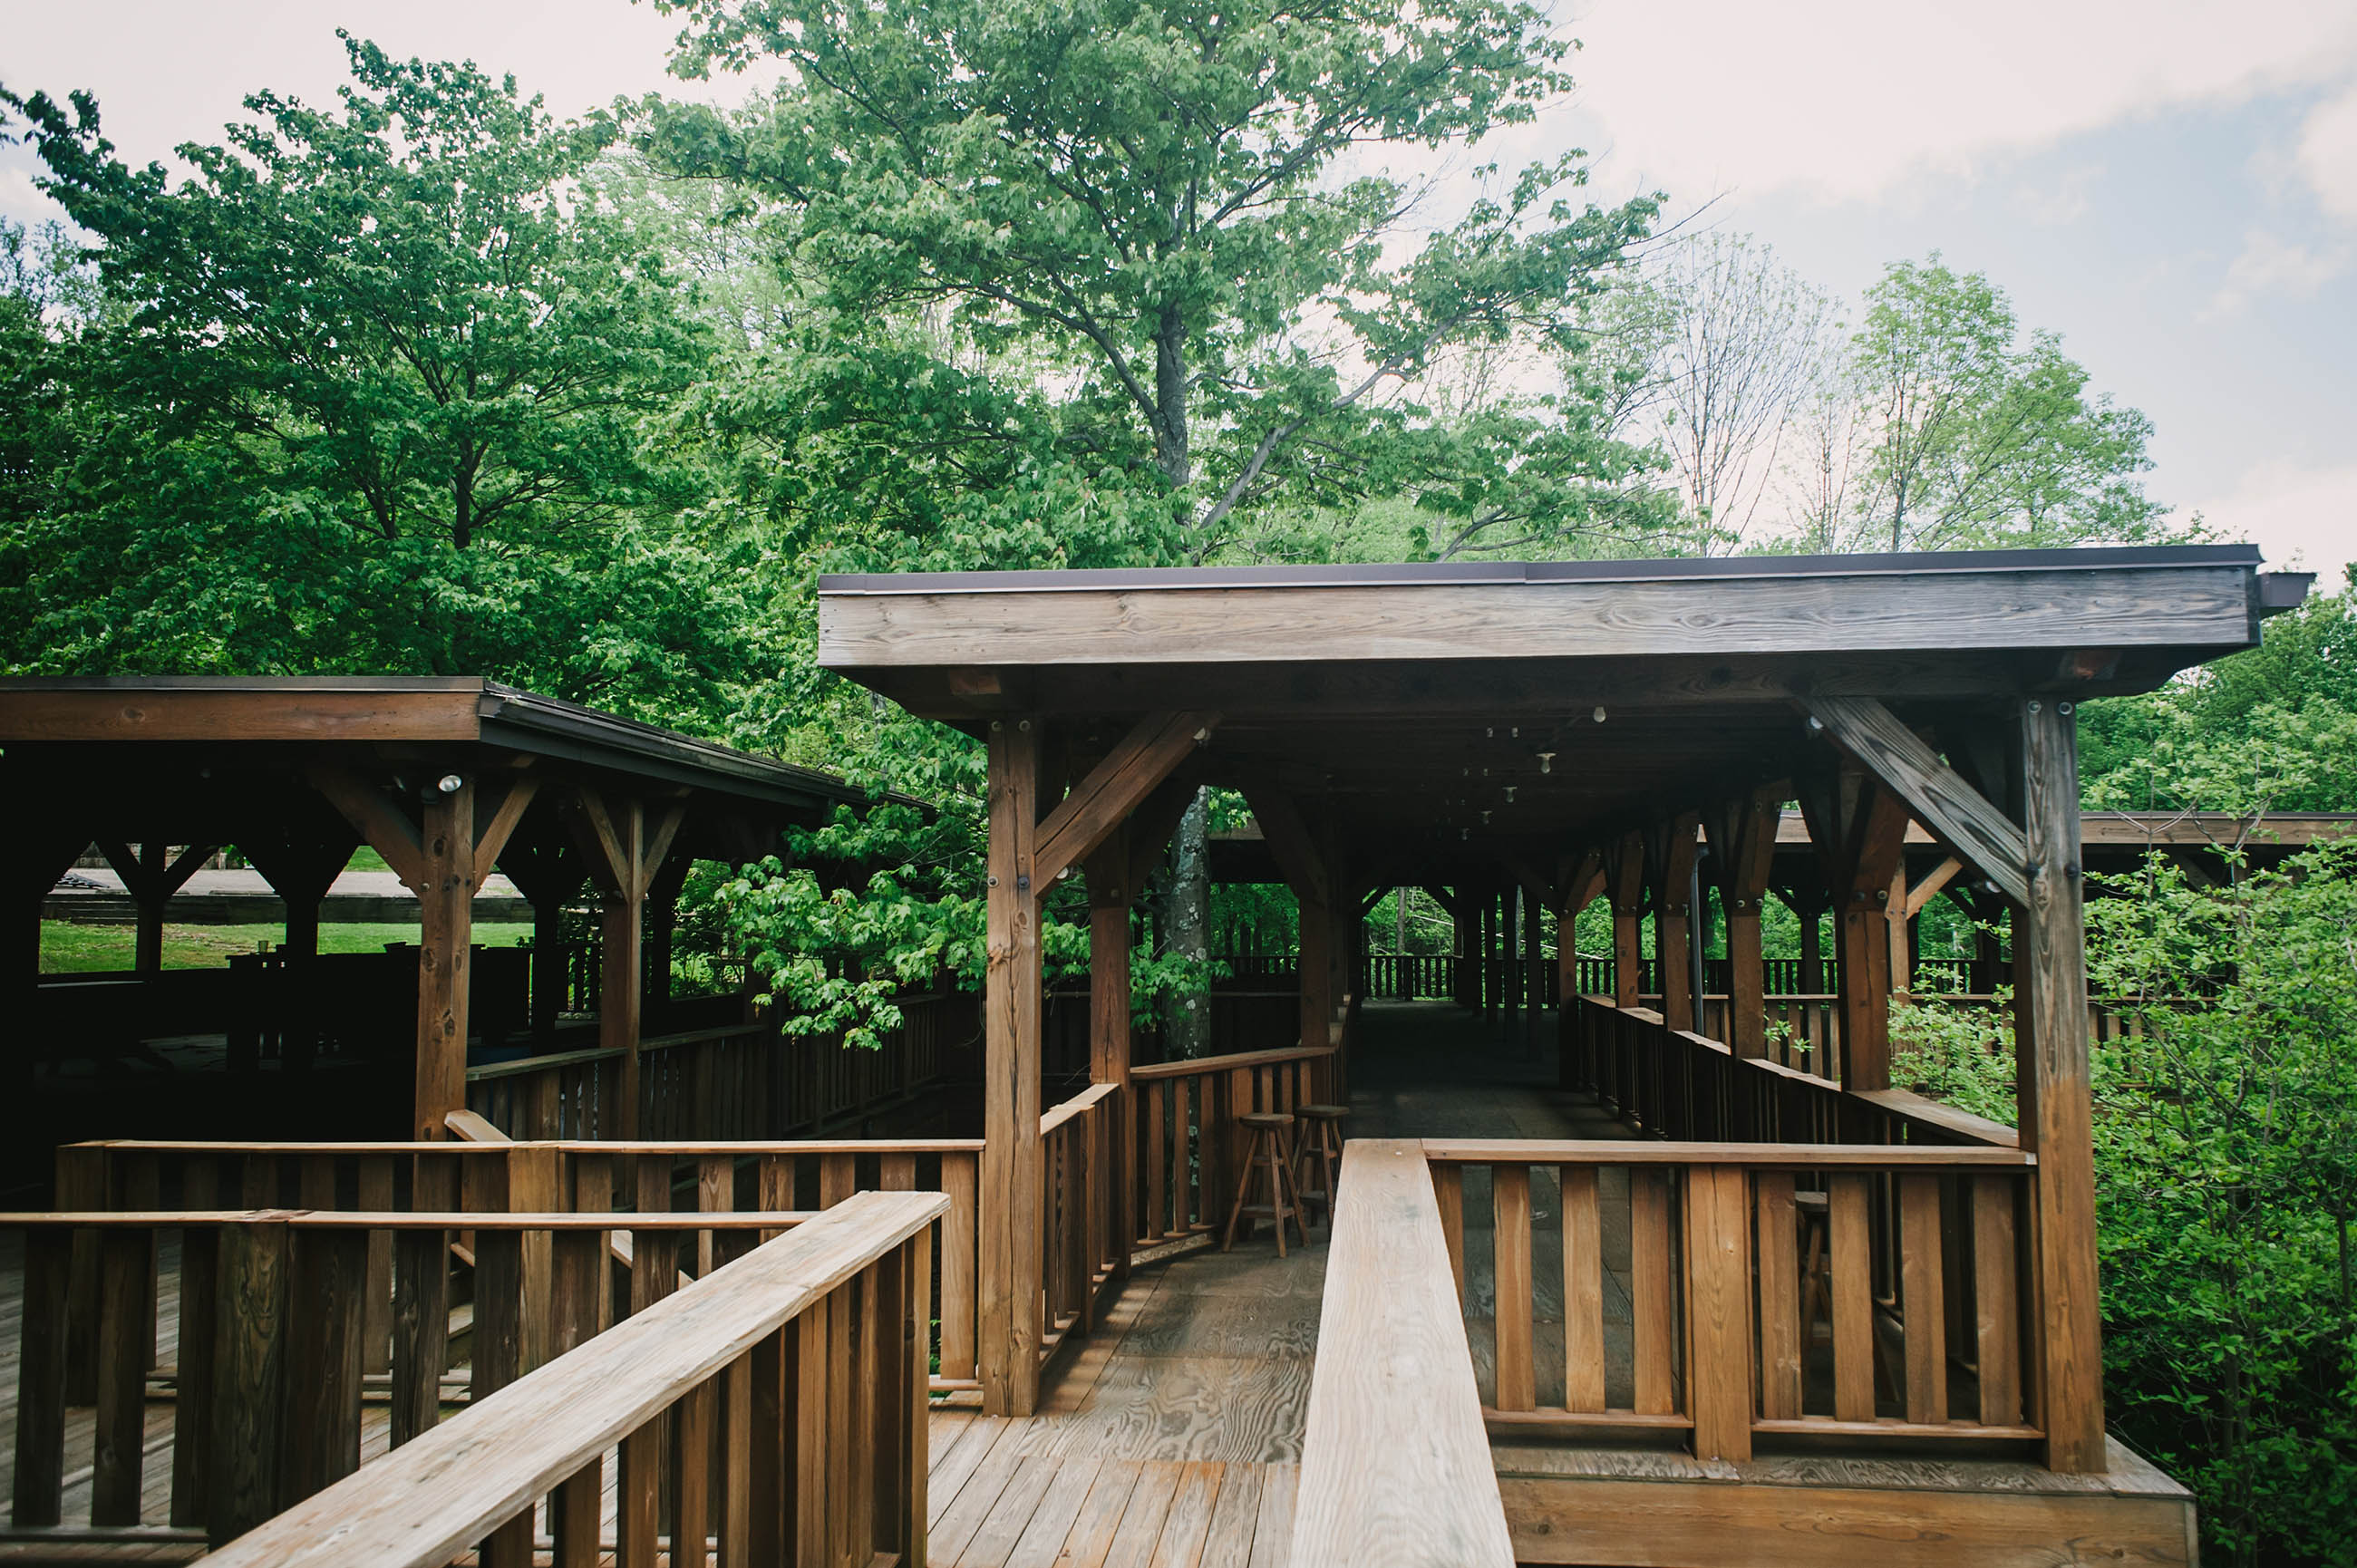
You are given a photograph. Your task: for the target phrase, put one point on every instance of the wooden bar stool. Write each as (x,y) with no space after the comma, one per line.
(1315,1154)
(1267,1160)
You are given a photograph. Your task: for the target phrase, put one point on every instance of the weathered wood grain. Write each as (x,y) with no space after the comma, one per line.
(1395,1467)
(440,1493)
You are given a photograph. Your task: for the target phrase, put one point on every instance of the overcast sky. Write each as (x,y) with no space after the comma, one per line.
(2171,186)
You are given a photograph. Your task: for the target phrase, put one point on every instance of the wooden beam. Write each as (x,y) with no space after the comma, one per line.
(1110,893)
(1290,841)
(492,837)
(1859,829)
(385,827)
(1008,1291)
(2056,1112)
(1937,879)
(1624,883)
(1743,855)
(1959,814)
(1142,620)
(1670,853)
(1156,818)
(1117,786)
(445,892)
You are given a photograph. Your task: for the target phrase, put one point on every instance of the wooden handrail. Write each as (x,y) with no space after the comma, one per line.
(567,1145)
(1229,1063)
(1783,1157)
(411,1220)
(438,1495)
(1088,1099)
(1395,1469)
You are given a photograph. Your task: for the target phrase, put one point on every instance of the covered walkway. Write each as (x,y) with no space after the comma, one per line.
(1174,1434)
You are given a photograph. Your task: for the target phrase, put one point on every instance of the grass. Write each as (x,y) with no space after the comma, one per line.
(71,949)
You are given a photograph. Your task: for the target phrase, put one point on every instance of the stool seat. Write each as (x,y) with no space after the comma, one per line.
(1321,1112)
(1265,1119)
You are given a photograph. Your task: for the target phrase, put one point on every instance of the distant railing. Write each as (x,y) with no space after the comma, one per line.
(782,1398)
(1677,1084)
(1907,1256)
(1188,1149)
(737,1081)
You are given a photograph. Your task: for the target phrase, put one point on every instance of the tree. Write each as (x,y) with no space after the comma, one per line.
(1170,324)
(1737,346)
(386,391)
(1979,440)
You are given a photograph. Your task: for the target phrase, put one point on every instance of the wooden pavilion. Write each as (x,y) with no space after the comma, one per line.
(1666,1292)
(1568,728)
(446,779)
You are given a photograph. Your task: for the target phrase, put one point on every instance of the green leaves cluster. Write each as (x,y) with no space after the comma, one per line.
(383,387)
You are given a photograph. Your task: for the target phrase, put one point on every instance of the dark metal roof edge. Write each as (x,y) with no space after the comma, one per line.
(1714,568)
(530,711)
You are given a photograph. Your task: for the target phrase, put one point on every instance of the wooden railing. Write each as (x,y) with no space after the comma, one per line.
(1187,1149)
(781,1398)
(1909,1257)
(282,1338)
(1396,1465)
(708,1179)
(1677,1084)
(1081,1250)
(739,1080)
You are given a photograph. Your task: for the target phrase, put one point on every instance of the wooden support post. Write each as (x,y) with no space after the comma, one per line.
(548,871)
(2056,1113)
(624,850)
(1624,881)
(1011,1283)
(1743,852)
(445,892)
(1110,892)
(151,876)
(301,866)
(1859,829)
(1307,861)
(1669,862)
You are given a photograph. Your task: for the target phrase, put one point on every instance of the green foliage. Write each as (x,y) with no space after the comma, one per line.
(382,388)
(1978,439)
(1098,251)
(2227,1153)
(2272,729)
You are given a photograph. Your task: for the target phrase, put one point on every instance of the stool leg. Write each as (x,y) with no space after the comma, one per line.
(1244,1186)
(1292,1207)
(1276,1162)
(1327,1139)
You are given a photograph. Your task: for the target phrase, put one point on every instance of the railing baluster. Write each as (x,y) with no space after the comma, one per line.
(1652,1304)
(1921,1298)
(1509,1202)
(1583,1289)
(39,1489)
(1996,1300)
(1849,1256)
(1781,1347)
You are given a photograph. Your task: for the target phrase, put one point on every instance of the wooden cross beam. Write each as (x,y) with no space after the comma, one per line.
(1114,788)
(1958,814)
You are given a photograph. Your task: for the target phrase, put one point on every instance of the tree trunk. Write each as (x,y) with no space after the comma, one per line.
(1186,927)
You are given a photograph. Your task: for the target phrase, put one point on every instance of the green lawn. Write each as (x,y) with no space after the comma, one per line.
(67,947)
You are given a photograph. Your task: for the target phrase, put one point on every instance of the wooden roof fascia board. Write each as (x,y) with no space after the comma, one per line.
(400,710)
(2115,606)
